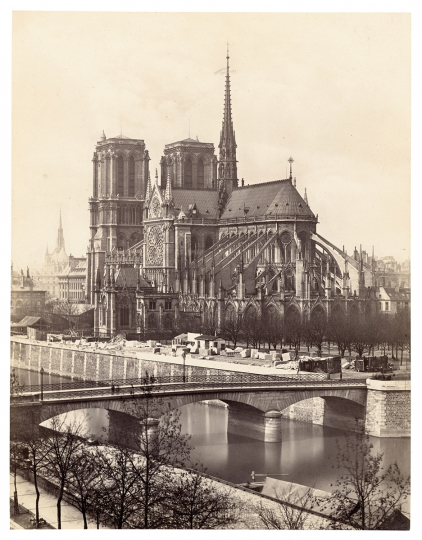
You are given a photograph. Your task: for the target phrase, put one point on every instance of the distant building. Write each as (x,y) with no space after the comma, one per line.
(33,327)
(389,273)
(54,274)
(27,299)
(392,301)
(72,282)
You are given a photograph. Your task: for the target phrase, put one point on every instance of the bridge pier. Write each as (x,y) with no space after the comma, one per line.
(250,422)
(122,429)
(129,431)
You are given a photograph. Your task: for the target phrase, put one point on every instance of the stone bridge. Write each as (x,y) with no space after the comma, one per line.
(256,412)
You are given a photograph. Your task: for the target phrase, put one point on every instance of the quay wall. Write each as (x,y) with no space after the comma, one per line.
(82,363)
(386,412)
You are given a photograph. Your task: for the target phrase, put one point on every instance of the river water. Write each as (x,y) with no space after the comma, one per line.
(306,455)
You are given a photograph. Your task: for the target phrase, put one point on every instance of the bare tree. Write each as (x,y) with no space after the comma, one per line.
(198,502)
(83,483)
(339,329)
(290,513)
(63,444)
(16,432)
(34,459)
(232,327)
(366,495)
(272,328)
(252,328)
(15,456)
(210,324)
(399,333)
(316,330)
(63,308)
(138,470)
(118,485)
(294,329)
(160,447)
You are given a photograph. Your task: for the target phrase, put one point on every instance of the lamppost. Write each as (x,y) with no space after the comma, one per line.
(42,381)
(184,366)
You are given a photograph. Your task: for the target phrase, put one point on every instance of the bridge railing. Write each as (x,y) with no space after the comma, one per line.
(159,386)
(150,379)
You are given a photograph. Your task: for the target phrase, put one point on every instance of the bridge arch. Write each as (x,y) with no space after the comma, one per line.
(257,409)
(260,399)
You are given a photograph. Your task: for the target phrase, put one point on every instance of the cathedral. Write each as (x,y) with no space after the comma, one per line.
(192,245)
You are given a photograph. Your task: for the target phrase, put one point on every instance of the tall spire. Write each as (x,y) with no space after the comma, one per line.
(227,164)
(306,198)
(60,237)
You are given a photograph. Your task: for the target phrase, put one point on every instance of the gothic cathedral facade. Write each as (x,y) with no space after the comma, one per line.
(192,246)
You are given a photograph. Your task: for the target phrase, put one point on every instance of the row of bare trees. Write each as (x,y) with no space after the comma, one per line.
(145,481)
(345,332)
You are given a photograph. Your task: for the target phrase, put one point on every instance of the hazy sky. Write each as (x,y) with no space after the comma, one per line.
(332,91)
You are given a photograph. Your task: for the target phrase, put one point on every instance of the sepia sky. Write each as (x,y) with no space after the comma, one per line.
(331,90)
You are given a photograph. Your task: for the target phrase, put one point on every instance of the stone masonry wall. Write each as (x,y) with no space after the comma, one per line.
(388,409)
(78,363)
(308,410)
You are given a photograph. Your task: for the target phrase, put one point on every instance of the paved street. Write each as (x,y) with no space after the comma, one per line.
(71,517)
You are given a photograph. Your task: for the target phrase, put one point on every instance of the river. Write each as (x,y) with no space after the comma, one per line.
(307,453)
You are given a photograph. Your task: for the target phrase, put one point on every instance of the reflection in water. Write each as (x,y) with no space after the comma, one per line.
(307,452)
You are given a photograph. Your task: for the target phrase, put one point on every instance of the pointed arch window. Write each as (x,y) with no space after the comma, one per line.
(120,176)
(188,173)
(201,184)
(124,316)
(107,177)
(131,177)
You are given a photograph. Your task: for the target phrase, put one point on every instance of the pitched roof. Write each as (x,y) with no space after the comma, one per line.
(79,309)
(188,141)
(209,338)
(270,198)
(29,321)
(206,201)
(28,286)
(126,276)
(130,274)
(396,296)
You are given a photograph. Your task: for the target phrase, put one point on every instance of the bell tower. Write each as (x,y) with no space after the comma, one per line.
(120,170)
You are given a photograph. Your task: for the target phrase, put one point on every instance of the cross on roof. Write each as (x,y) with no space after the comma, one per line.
(290,160)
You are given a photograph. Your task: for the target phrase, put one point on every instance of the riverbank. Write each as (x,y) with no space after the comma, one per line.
(246,517)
